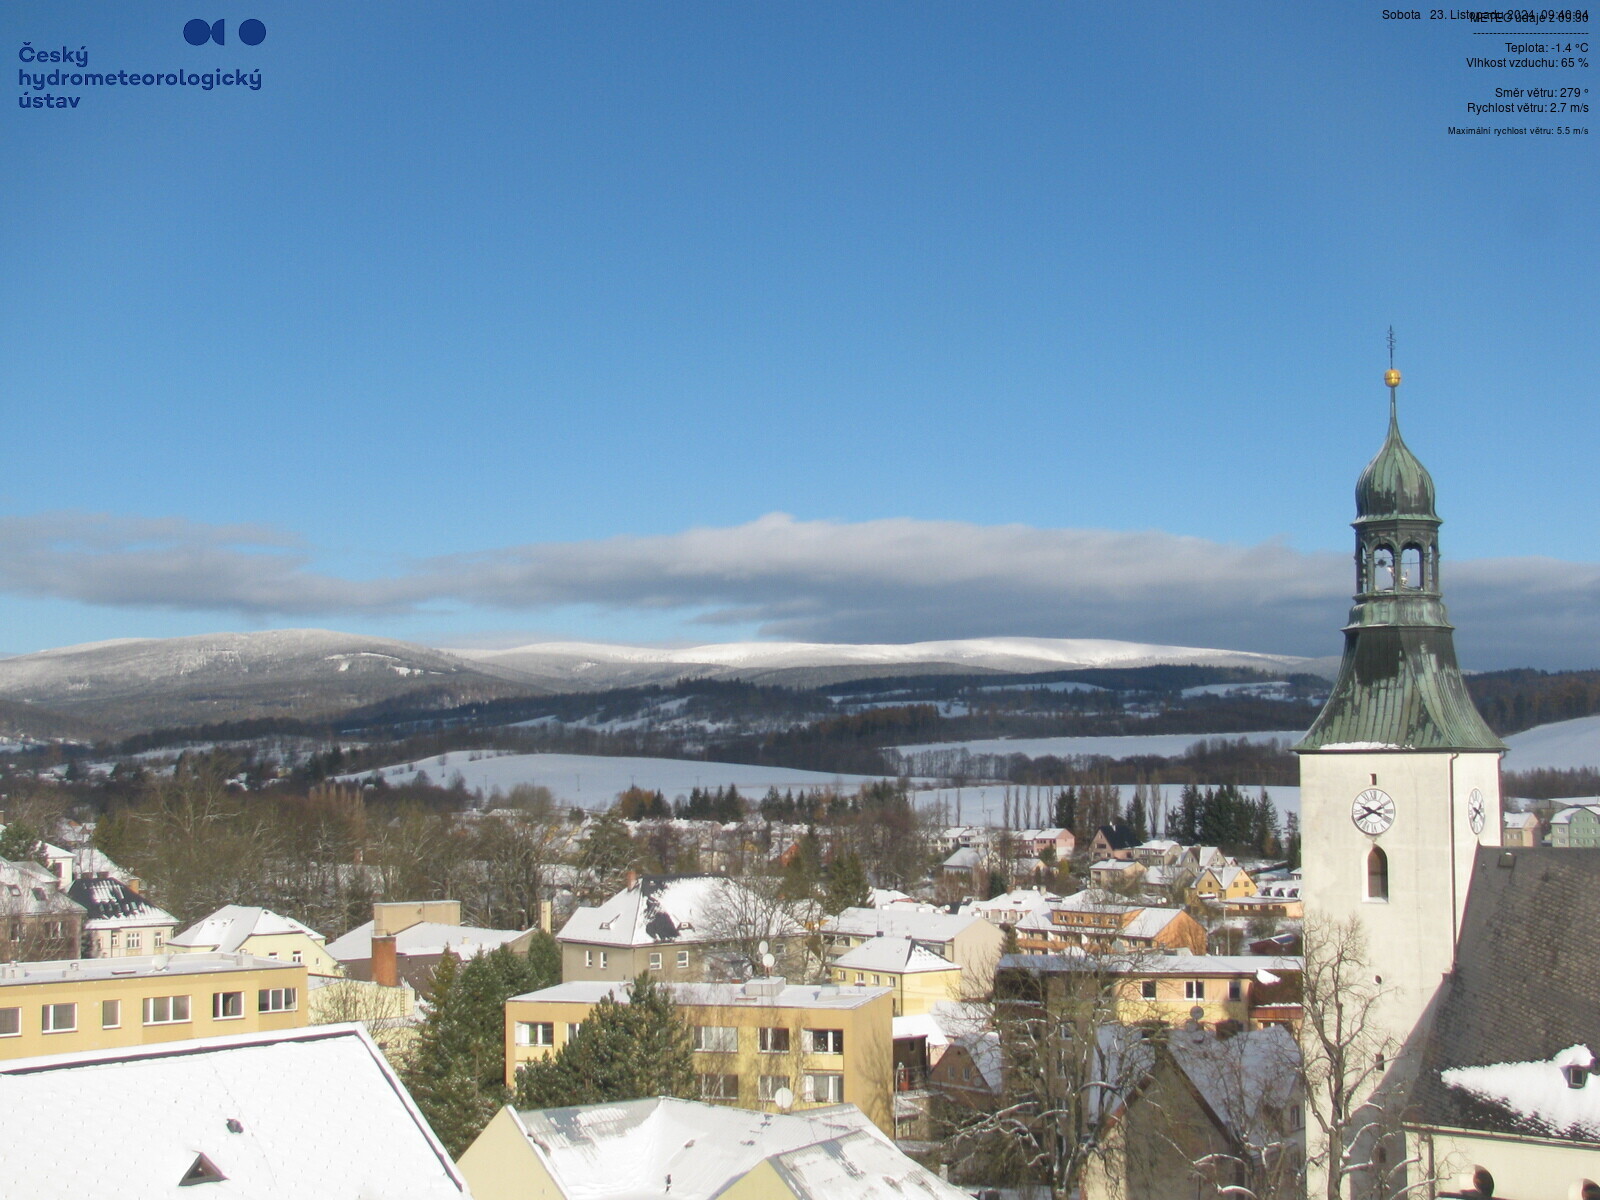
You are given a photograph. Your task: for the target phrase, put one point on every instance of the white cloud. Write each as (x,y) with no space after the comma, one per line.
(887,580)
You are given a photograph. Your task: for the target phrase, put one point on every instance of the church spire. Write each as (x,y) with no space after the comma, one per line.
(1398,685)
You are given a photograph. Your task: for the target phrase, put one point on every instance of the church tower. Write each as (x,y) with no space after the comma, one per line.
(1399,775)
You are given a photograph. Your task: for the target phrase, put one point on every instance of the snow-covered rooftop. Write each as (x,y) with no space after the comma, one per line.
(631,1149)
(74,970)
(301,1113)
(228,927)
(112,904)
(773,992)
(900,922)
(658,909)
(424,939)
(898,954)
(1539,1092)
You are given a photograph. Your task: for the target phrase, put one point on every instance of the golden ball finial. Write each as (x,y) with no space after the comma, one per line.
(1392,377)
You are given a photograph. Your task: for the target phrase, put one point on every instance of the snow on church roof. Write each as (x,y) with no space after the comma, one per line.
(299,1113)
(1539,1092)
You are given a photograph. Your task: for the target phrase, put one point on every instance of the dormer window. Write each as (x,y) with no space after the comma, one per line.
(202,1170)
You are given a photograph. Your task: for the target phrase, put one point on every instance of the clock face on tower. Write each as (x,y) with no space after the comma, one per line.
(1476,811)
(1372,811)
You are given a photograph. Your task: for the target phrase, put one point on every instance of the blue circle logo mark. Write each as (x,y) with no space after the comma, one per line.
(198,32)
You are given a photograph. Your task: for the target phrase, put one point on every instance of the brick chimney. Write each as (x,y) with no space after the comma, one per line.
(385,961)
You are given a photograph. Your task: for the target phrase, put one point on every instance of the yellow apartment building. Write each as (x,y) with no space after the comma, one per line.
(107,1003)
(1174,989)
(757,1045)
(918,978)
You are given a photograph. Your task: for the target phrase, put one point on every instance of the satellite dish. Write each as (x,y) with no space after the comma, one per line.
(783,1098)
(767,960)
(762,947)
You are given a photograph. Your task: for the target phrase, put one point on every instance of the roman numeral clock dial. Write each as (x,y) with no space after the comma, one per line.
(1477,812)
(1373,811)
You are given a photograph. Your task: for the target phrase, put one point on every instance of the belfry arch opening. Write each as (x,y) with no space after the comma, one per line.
(1377,874)
(1411,568)
(1383,569)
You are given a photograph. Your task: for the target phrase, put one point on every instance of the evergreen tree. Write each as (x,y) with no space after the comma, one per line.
(20,842)
(623,1051)
(847,883)
(1292,841)
(457,1073)
(1065,814)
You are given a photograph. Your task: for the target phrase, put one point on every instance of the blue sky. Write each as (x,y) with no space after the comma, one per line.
(867,321)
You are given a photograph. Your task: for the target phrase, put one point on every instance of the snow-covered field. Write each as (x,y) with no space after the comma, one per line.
(1165,744)
(1561,745)
(593,781)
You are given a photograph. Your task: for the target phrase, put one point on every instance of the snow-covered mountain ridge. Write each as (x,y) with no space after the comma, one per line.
(140,683)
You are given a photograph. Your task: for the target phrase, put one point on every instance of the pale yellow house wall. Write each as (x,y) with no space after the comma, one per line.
(146,939)
(502,1165)
(131,991)
(580,961)
(761,1182)
(282,947)
(914,993)
(867,1063)
(1525,1169)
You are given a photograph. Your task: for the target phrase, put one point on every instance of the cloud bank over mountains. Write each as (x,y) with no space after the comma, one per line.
(889,580)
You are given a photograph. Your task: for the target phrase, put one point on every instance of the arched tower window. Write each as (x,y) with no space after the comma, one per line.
(1377,875)
(1411,567)
(1383,569)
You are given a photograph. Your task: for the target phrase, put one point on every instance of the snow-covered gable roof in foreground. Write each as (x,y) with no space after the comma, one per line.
(1539,1092)
(228,927)
(612,1151)
(318,1113)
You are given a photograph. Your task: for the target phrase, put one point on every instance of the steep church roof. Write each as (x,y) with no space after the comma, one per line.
(1520,997)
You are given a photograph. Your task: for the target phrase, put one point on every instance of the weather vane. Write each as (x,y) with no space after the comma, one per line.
(1391,376)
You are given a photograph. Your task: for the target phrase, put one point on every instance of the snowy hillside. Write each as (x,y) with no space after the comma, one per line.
(231,676)
(595,664)
(1561,746)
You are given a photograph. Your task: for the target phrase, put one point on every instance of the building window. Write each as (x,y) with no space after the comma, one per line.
(133,939)
(1235,989)
(275,1000)
(536,1033)
(721,1039)
(58,1018)
(719,1087)
(227,1006)
(861,977)
(1147,989)
(165,1010)
(111,941)
(572,1029)
(771,1085)
(824,1087)
(10,1022)
(655,960)
(774,1040)
(1377,875)
(825,1041)
(155,940)
(1194,989)
(602,960)
(683,959)
(110,1014)
(588,958)
(298,956)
